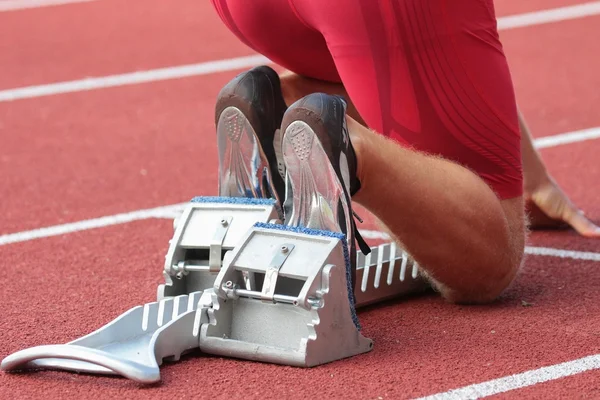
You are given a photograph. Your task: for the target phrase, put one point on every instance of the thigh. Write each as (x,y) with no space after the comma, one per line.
(273,29)
(430,74)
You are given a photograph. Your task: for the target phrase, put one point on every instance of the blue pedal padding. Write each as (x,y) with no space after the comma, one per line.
(337,235)
(233,200)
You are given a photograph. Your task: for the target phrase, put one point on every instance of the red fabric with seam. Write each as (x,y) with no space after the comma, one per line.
(431,75)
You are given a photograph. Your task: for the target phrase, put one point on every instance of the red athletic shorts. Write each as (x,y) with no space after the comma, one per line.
(430,74)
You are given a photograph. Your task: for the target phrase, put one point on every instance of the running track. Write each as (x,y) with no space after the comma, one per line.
(83,155)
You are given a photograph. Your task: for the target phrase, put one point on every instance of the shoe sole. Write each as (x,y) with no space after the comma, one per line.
(317,190)
(243,167)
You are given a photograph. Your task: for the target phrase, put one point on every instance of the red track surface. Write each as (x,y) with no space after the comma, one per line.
(83,155)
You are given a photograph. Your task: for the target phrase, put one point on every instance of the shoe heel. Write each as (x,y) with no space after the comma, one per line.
(316,189)
(242,163)
(247,114)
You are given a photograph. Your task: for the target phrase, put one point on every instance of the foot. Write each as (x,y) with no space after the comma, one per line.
(320,167)
(248,115)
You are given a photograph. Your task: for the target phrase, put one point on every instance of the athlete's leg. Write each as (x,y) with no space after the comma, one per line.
(295,87)
(469,242)
(460,217)
(447,217)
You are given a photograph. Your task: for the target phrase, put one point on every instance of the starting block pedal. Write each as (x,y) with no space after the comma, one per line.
(283,296)
(239,284)
(205,231)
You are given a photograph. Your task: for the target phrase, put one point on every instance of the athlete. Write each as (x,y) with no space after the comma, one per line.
(404,106)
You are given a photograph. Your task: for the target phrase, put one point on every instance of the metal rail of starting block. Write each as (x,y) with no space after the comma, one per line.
(239,284)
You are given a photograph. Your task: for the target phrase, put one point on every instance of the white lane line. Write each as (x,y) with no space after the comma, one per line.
(158,212)
(575,255)
(566,138)
(521,380)
(172,211)
(11,5)
(547,16)
(536,251)
(376,235)
(133,78)
(510,22)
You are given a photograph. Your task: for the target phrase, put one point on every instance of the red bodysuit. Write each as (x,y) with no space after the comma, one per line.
(430,74)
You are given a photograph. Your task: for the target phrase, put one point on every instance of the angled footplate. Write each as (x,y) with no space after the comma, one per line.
(205,231)
(283,296)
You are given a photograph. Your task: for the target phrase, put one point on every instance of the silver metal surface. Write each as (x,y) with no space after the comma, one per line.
(235,293)
(201,236)
(272,272)
(243,167)
(182,268)
(381,275)
(133,345)
(216,245)
(315,184)
(309,321)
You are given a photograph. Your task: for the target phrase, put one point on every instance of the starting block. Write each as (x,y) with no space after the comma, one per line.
(207,229)
(240,284)
(283,297)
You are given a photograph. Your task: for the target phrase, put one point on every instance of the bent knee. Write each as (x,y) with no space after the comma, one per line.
(495,277)
(486,292)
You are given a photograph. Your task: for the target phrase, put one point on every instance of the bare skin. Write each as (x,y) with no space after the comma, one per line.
(470,254)
(548,206)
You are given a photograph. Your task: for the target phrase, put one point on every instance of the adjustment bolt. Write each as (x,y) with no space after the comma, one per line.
(228,284)
(224,222)
(314,302)
(284,249)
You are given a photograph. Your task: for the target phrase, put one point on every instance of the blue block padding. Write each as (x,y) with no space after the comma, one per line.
(337,235)
(233,200)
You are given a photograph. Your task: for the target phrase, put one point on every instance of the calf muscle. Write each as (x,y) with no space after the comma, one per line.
(469,243)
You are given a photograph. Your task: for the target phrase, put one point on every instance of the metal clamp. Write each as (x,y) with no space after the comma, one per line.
(272,272)
(216,246)
(302,316)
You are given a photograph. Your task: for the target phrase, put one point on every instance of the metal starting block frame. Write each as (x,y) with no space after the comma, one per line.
(239,284)
(283,297)
(207,229)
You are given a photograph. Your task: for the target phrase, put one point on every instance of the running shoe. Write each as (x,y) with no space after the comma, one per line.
(321,168)
(248,116)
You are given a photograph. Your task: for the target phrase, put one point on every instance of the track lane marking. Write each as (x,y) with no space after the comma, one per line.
(182,71)
(547,16)
(532,250)
(171,211)
(13,5)
(518,381)
(566,138)
(123,218)
(132,78)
